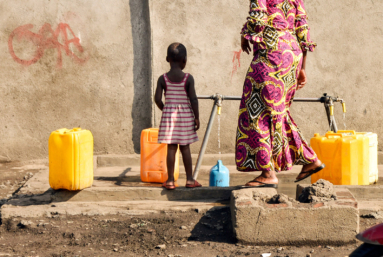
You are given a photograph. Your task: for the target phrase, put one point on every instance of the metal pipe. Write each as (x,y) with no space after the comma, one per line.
(327,100)
(205,140)
(237,98)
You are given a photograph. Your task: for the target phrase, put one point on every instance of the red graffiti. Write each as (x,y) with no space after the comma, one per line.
(47,38)
(236,62)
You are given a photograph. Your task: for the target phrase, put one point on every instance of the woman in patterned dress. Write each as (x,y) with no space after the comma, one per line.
(268,139)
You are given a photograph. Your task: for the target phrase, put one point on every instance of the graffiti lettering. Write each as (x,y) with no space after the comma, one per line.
(236,62)
(47,38)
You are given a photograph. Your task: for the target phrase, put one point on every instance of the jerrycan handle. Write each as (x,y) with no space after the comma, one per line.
(332,134)
(352,132)
(219,165)
(75,129)
(62,131)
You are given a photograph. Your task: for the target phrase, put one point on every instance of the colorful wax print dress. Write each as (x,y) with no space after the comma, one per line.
(267,136)
(177,121)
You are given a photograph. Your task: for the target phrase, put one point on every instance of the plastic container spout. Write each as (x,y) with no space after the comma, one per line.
(219,110)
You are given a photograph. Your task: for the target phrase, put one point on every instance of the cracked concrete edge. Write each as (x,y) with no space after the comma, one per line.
(286,224)
(371,192)
(104,208)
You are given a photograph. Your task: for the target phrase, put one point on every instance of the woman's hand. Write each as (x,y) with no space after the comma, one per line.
(302,79)
(245,45)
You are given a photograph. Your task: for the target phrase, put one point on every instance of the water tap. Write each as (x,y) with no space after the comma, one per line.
(343,106)
(331,107)
(219,99)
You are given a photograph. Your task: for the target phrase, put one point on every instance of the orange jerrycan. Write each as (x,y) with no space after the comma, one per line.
(71,159)
(153,158)
(340,154)
(363,156)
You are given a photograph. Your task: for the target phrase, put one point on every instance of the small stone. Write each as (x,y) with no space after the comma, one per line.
(162,247)
(280,249)
(115,250)
(133,226)
(184,245)
(183,227)
(312,251)
(308,255)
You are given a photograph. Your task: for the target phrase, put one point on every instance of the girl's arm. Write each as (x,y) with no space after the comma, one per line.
(158,96)
(193,100)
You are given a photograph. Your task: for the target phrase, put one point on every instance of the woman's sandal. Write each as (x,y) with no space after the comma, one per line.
(168,187)
(263,185)
(196,184)
(310,172)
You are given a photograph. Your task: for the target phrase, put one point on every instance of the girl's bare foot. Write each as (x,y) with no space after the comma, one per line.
(309,167)
(267,177)
(190,182)
(170,182)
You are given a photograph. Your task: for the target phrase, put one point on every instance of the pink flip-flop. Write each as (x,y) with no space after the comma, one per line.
(196,184)
(168,187)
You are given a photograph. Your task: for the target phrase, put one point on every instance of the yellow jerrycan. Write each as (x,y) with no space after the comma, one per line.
(153,158)
(71,159)
(373,145)
(363,156)
(340,154)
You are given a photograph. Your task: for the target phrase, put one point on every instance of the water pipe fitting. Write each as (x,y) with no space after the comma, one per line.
(344,106)
(219,99)
(331,107)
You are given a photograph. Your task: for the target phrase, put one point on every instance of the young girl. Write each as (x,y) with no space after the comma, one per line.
(180,116)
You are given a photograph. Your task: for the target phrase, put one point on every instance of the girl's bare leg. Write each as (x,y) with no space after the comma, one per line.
(170,160)
(186,157)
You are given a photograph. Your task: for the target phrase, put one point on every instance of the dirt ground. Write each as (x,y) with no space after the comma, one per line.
(159,234)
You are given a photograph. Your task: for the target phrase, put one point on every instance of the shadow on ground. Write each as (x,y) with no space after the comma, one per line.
(214,226)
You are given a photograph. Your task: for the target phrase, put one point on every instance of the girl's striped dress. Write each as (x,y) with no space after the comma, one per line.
(177,121)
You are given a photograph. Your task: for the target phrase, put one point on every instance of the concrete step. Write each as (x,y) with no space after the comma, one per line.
(111,160)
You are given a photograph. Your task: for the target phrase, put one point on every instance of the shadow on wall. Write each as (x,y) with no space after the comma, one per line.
(142,100)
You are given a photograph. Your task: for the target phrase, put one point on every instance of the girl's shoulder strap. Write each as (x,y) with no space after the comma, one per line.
(166,78)
(186,77)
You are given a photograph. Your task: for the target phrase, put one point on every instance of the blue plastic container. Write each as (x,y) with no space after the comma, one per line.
(219,176)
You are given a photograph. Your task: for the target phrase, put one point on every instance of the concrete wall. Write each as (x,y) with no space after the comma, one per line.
(109,88)
(347,61)
(105,87)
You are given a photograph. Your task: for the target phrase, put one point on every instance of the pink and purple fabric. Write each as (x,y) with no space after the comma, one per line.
(267,136)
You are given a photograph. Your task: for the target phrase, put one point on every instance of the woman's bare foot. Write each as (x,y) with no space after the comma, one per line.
(267,177)
(309,167)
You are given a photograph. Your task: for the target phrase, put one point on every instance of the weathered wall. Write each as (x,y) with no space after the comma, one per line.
(102,82)
(347,61)
(108,87)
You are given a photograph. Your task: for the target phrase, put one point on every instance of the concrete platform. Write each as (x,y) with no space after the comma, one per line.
(123,184)
(255,221)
